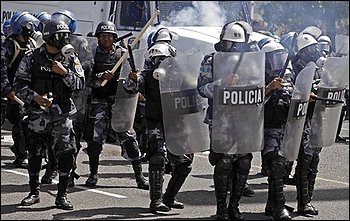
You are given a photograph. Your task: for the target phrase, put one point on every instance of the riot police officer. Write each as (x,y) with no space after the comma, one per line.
(157,153)
(276,112)
(20,40)
(308,159)
(107,54)
(234,37)
(45,81)
(51,166)
(81,98)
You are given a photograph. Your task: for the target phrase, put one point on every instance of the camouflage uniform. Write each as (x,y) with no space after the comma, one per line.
(99,115)
(51,126)
(308,158)
(226,166)
(12,51)
(157,152)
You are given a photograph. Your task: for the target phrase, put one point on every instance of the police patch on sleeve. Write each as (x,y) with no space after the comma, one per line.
(78,68)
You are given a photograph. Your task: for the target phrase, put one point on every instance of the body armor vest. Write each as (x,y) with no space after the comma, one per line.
(18,51)
(103,62)
(45,81)
(153,107)
(276,109)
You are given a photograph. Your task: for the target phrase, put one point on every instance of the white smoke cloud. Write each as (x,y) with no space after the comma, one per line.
(201,14)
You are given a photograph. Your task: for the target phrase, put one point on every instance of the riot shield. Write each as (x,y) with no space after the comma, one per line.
(124,107)
(342,45)
(183,108)
(238,110)
(297,112)
(85,49)
(326,114)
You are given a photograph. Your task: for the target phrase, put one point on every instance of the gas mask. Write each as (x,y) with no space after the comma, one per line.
(310,53)
(29,30)
(59,40)
(230,46)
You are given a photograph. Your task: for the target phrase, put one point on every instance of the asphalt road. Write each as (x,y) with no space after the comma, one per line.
(116,197)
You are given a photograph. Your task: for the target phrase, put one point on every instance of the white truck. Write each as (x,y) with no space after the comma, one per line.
(132,16)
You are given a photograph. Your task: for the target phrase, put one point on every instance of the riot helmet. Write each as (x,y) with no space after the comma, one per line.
(68,17)
(56,33)
(288,41)
(233,37)
(6,27)
(43,17)
(23,23)
(325,44)
(106,27)
(162,34)
(308,49)
(159,52)
(275,56)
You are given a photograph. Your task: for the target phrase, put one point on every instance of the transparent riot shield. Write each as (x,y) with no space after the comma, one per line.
(326,114)
(342,45)
(183,108)
(297,112)
(238,110)
(85,49)
(124,107)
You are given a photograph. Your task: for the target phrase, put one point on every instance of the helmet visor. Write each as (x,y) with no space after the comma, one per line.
(276,59)
(324,46)
(28,21)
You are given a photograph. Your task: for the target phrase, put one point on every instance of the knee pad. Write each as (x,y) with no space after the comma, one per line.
(157,162)
(182,169)
(278,166)
(37,143)
(214,157)
(224,165)
(243,163)
(65,163)
(132,148)
(94,148)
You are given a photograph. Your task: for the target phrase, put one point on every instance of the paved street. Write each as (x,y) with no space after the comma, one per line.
(116,197)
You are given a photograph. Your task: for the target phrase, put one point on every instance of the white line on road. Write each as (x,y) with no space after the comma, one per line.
(78,187)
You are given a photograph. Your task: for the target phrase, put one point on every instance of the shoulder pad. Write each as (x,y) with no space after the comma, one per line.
(208,59)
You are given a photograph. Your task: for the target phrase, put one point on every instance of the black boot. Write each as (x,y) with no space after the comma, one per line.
(275,180)
(61,199)
(33,196)
(221,183)
(176,181)
(269,204)
(156,192)
(141,181)
(93,177)
(312,179)
(238,183)
(240,171)
(302,184)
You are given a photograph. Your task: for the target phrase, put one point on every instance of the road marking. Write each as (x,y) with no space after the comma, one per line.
(205,155)
(78,187)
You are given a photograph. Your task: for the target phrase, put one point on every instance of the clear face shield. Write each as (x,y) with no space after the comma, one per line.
(275,62)
(324,47)
(29,26)
(230,46)
(311,53)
